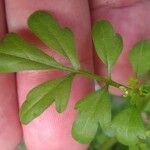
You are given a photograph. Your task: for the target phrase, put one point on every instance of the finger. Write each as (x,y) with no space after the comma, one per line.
(10,129)
(133,23)
(52,130)
(112,3)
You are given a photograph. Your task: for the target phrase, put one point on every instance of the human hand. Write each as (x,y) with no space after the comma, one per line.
(52,130)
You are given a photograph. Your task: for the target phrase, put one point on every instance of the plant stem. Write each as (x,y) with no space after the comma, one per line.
(96,77)
(99,78)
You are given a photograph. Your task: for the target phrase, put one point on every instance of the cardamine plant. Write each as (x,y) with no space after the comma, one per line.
(95,111)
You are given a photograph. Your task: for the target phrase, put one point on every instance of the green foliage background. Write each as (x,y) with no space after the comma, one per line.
(101,141)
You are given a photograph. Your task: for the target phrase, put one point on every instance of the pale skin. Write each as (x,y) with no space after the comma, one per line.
(52,131)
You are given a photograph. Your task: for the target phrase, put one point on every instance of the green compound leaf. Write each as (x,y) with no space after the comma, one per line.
(128,126)
(93,109)
(108,44)
(17,55)
(139,57)
(53,35)
(42,96)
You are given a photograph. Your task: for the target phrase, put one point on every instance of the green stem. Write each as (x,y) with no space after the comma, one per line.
(99,78)
(96,77)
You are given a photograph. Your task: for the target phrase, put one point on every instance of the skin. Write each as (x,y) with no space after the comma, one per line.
(10,128)
(52,130)
(130,23)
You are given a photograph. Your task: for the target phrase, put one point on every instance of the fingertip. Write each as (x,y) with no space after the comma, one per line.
(128,23)
(53,130)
